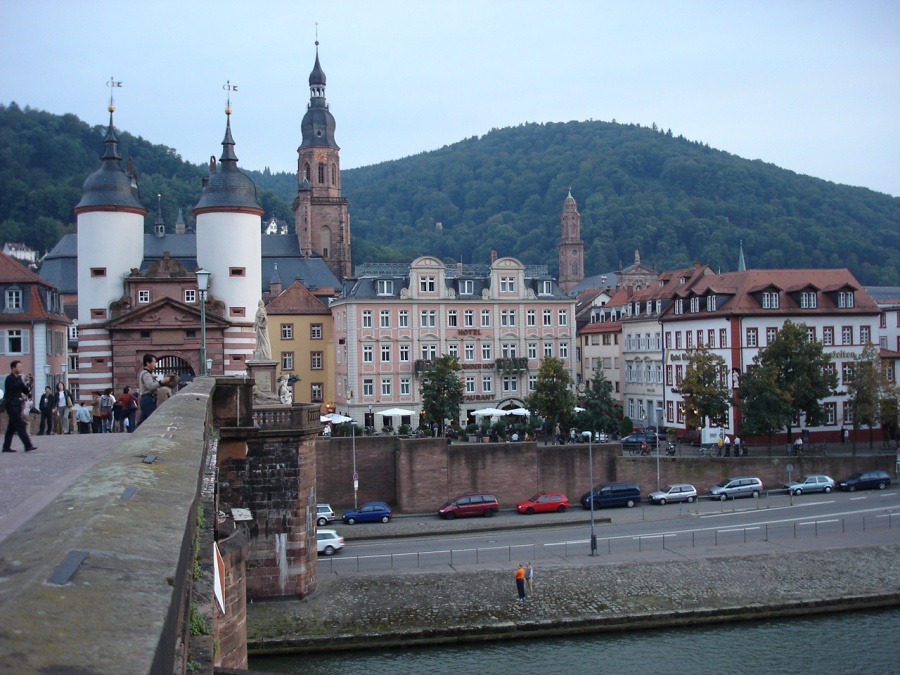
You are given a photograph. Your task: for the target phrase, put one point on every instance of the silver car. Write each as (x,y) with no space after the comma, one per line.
(329,542)
(680,492)
(324,514)
(817,483)
(737,486)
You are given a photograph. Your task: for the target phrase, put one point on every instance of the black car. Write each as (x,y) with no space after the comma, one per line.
(865,480)
(633,442)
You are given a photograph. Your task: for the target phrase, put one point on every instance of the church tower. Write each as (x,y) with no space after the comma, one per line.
(320,212)
(570,247)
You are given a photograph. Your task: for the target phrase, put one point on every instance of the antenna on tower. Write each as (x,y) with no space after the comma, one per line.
(229,88)
(112,84)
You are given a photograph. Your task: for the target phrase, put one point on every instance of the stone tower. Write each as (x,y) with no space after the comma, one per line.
(320,212)
(570,247)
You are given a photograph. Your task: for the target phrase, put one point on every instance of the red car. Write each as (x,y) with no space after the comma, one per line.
(544,502)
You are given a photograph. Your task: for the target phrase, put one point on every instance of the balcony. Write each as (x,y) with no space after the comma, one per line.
(511,364)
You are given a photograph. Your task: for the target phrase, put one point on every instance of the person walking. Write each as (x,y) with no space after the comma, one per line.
(45,406)
(63,403)
(106,412)
(83,418)
(520,582)
(728,446)
(96,420)
(529,578)
(737,445)
(721,443)
(15,389)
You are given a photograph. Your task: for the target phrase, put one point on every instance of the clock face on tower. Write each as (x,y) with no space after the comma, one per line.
(321,157)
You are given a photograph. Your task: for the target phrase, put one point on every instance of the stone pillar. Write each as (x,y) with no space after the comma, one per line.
(263,373)
(230,627)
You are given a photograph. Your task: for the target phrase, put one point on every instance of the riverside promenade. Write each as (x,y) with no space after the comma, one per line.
(447,604)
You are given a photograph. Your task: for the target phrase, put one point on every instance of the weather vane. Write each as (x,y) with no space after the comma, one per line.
(229,88)
(112,84)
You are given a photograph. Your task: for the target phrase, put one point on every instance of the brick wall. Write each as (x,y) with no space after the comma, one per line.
(230,628)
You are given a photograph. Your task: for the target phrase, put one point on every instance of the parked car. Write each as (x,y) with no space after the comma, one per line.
(810,484)
(324,514)
(633,442)
(688,436)
(544,502)
(473,504)
(866,480)
(329,542)
(612,494)
(370,512)
(680,492)
(737,486)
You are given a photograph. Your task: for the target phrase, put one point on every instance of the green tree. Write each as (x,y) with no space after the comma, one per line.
(552,396)
(442,390)
(803,375)
(599,407)
(764,406)
(870,393)
(704,388)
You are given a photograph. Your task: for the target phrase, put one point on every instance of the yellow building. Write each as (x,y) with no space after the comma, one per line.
(300,332)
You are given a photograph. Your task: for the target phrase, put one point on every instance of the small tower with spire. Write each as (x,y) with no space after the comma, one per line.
(229,246)
(159,229)
(321,218)
(570,247)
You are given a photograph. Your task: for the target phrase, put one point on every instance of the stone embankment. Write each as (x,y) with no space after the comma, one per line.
(448,604)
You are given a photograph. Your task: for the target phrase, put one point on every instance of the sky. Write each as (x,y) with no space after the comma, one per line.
(809,85)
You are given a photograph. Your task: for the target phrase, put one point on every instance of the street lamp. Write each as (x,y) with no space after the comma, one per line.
(353,448)
(46,374)
(590,437)
(203,287)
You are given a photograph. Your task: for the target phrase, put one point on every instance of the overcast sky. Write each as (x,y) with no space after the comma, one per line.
(810,85)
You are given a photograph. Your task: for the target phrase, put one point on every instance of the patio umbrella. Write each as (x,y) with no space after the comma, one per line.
(489,412)
(336,418)
(392,412)
(519,411)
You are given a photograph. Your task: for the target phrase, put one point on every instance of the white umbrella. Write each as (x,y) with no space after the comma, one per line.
(519,411)
(392,412)
(337,418)
(489,412)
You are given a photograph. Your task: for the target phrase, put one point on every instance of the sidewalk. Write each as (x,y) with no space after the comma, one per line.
(32,480)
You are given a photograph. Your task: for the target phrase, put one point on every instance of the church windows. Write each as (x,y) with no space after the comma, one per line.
(306,172)
(334,174)
(321,174)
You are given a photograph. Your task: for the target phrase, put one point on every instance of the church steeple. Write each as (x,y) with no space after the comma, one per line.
(570,247)
(321,219)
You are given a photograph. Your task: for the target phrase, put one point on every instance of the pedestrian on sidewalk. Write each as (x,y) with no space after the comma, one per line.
(520,582)
(15,389)
(46,405)
(63,403)
(737,445)
(83,418)
(529,578)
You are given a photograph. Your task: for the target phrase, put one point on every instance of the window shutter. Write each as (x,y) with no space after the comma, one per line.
(2,342)
(26,341)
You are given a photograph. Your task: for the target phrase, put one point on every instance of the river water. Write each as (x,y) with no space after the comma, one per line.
(850,642)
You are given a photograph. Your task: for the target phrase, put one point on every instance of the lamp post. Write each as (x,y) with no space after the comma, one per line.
(64,368)
(47,375)
(590,437)
(203,287)
(353,449)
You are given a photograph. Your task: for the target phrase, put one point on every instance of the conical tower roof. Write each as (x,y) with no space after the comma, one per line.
(227,186)
(318,123)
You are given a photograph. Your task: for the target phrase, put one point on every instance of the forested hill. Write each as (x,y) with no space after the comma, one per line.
(675,200)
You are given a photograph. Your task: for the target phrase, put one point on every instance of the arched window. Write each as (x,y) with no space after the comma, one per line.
(334,174)
(321,174)
(306,170)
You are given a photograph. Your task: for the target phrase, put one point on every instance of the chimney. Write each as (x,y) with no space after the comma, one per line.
(493,256)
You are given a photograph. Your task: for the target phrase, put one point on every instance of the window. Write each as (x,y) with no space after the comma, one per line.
(469,318)
(771,335)
(429,352)
(368,387)
(710,303)
(678,340)
(315,331)
(509,350)
(315,360)
(321,173)
(508,317)
(403,318)
(711,338)
(452,318)
(668,376)
(811,334)
(470,351)
(386,387)
(315,392)
(563,317)
(368,354)
(531,318)
(864,335)
(428,318)
(883,319)
(889,371)
(507,284)
(828,336)
(143,297)
(485,318)
(367,318)
(385,287)
(752,340)
(695,305)
(830,413)
(770,300)
(606,340)
(510,383)
(848,412)
(668,339)
(548,349)
(487,384)
(486,351)
(287,331)
(73,333)
(723,337)
(466,287)
(386,353)
(405,386)
(689,340)
(545,288)
(845,299)
(532,382)
(384,318)
(237,272)
(847,372)
(427,284)
(808,300)
(287,361)
(847,335)
(453,349)
(679,306)
(98,272)
(547,317)
(532,350)
(563,350)
(470,384)
(190,296)
(404,353)
(17,341)
(670,411)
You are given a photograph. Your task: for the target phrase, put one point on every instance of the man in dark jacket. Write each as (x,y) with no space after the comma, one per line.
(14,392)
(46,406)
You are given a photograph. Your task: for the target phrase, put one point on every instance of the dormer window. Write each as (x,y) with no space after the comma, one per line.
(659,306)
(679,306)
(682,280)
(770,300)
(385,287)
(845,299)
(427,284)
(545,288)
(710,303)
(14,299)
(808,300)
(661,283)
(695,305)
(507,284)
(466,287)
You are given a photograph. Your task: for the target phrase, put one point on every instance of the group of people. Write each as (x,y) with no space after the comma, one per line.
(107,413)
(524,581)
(724,443)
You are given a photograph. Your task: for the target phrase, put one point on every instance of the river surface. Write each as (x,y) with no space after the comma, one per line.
(850,642)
